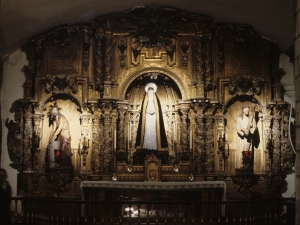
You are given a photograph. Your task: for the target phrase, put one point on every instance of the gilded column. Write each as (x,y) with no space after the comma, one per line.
(192,137)
(122,111)
(133,126)
(108,66)
(184,109)
(27,138)
(84,140)
(198,139)
(209,85)
(199,57)
(219,118)
(97,140)
(99,78)
(106,161)
(276,162)
(267,137)
(209,145)
(170,129)
(37,134)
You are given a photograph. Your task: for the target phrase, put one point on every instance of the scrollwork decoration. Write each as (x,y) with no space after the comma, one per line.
(61,83)
(122,49)
(245,85)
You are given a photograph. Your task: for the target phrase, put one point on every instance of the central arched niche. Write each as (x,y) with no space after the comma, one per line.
(168,94)
(167,90)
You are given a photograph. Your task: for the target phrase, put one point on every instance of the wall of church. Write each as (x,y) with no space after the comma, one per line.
(12,82)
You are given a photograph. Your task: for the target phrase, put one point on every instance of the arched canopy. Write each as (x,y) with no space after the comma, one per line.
(174,78)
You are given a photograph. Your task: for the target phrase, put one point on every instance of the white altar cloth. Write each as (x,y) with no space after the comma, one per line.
(156,185)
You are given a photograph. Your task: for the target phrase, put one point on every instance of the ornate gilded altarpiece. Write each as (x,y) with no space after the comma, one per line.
(204,72)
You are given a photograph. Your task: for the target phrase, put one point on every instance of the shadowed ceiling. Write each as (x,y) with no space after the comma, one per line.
(22,20)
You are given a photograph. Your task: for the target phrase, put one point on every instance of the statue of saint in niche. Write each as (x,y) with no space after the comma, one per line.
(151,133)
(245,126)
(61,132)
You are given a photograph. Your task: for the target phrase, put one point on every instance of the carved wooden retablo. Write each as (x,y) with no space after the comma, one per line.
(205,72)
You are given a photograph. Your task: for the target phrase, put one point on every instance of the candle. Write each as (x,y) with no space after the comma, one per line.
(115,139)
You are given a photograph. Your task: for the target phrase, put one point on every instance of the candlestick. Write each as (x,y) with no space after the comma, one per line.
(175,150)
(129,130)
(115,139)
(192,153)
(174,130)
(191,139)
(226,137)
(228,148)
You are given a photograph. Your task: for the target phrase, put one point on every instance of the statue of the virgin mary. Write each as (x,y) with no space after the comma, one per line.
(151,133)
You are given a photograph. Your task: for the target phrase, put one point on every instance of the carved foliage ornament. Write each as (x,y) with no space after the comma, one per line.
(61,83)
(19,147)
(150,28)
(245,85)
(153,28)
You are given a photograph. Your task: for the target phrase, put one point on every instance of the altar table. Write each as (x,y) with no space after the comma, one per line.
(154,186)
(157,191)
